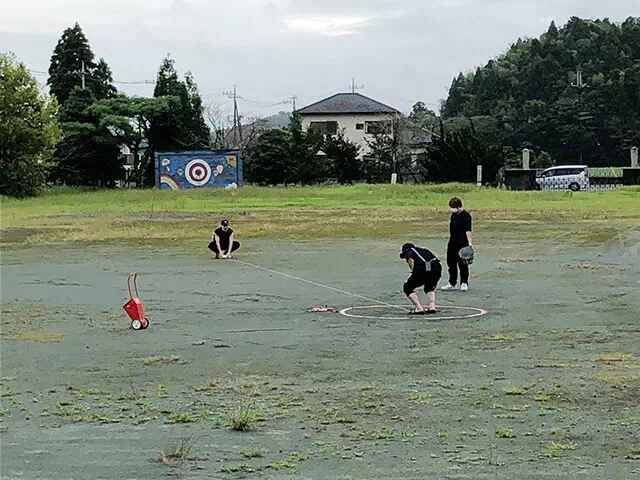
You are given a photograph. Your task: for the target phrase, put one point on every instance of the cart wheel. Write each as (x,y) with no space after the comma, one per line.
(136,324)
(146,323)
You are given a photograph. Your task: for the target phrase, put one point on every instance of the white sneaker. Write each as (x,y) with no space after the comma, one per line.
(448,286)
(464,287)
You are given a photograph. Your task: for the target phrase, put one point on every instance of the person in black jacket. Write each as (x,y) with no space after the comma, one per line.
(223,241)
(460,237)
(425,271)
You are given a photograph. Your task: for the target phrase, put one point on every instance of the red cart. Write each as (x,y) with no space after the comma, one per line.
(134,306)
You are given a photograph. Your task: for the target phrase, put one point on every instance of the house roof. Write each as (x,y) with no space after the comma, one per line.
(346,103)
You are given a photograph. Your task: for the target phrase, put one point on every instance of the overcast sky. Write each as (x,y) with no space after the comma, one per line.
(402,51)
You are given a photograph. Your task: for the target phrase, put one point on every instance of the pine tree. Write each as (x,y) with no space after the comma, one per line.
(164,134)
(89,154)
(529,92)
(303,150)
(197,127)
(182,127)
(65,71)
(343,158)
(455,102)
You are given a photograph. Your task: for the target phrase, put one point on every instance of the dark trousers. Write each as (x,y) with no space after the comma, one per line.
(214,248)
(422,278)
(454,262)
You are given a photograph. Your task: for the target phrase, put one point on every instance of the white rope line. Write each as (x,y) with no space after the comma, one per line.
(344,292)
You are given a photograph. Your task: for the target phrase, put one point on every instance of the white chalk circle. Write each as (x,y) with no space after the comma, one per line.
(472,312)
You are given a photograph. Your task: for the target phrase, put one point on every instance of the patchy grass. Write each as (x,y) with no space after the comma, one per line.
(175,452)
(420,398)
(20,321)
(234,468)
(553,365)
(244,418)
(500,337)
(153,360)
(285,464)
(552,449)
(290,463)
(182,417)
(505,433)
(634,453)
(207,387)
(252,453)
(329,416)
(614,357)
(514,390)
(160,216)
(40,337)
(620,380)
(384,434)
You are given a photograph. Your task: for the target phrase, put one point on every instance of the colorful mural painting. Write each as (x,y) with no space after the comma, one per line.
(206,168)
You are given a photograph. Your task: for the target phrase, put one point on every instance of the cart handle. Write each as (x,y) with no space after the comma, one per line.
(133,276)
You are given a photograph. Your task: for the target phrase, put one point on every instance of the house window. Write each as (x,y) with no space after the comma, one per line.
(325,128)
(377,127)
(359,126)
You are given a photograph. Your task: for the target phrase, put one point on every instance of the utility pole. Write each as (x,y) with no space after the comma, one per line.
(237,129)
(353,85)
(82,72)
(293,100)
(581,115)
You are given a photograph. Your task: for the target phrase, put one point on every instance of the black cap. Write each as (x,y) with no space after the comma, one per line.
(405,248)
(224,223)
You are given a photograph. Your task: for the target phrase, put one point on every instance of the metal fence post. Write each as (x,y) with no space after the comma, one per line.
(525,159)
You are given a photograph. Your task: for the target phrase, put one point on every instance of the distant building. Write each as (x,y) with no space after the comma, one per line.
(359,117)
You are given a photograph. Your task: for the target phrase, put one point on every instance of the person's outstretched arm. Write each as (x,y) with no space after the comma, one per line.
(217,242)
(230,244)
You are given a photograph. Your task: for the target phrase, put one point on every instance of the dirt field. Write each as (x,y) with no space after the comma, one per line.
(546,385)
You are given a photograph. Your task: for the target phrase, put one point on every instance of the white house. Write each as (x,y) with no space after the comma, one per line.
(359,117)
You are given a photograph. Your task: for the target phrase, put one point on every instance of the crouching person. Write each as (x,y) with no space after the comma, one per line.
(425,271)
(223,242)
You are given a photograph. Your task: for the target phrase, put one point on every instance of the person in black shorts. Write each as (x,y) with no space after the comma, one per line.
(425,271)
(223,237)
(460,237)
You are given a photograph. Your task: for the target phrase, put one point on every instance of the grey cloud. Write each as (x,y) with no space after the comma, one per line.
(410,50)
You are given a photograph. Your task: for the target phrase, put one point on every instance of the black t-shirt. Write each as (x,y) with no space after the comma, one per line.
(460,225)
(224,236)
(421,256)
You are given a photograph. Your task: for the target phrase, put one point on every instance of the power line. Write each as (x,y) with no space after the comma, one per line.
(83,74)
(135,82)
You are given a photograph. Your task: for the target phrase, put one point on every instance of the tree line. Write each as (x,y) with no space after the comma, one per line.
(573,94)
(75,136)
(533,97)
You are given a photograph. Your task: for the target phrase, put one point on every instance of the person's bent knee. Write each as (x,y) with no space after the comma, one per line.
(406,288)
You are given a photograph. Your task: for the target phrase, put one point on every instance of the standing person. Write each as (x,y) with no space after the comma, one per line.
(460,237)
(223,237)
(425,270)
